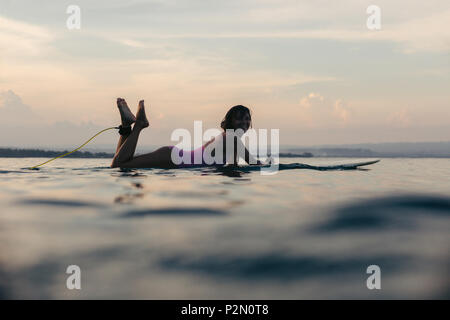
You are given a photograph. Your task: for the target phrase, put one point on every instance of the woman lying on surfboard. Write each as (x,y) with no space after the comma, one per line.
(238,117)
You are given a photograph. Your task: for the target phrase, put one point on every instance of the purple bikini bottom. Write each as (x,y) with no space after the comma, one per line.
(199,152)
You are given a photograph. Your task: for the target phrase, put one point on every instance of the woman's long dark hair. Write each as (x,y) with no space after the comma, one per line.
(227,122)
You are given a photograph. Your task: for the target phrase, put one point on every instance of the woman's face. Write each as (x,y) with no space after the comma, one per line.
(241,121)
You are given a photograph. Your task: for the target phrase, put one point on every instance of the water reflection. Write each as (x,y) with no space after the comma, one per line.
(272,266)
(225,232)
(58,203)
(128,198)
(393,212)
(177,211)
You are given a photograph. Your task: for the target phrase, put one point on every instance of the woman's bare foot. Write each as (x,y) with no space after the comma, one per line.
(141,118)
(126,115)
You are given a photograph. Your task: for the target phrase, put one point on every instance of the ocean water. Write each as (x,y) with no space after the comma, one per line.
(233,234)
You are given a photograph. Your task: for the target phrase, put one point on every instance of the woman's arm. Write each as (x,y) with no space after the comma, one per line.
(251,160)
(248,157)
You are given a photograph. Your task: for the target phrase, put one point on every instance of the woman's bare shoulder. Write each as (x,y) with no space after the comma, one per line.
(215,139)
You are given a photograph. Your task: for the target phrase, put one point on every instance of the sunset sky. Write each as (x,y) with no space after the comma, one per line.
(309,68)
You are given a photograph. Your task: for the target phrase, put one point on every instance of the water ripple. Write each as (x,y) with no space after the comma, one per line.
(174,211)
(386,212)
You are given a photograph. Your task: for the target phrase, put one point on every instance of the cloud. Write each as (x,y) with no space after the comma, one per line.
(35,130)
(9,101)
(400,118)
(307,101)
(317,111)
(188,59)
(18,39)
(341,111)
(13,110)
(413,25)
(431,33)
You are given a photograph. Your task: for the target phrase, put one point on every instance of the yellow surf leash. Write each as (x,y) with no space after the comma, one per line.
(63,155)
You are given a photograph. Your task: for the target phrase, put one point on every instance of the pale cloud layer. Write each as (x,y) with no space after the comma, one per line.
(300,65)
(316,111)
(22,39)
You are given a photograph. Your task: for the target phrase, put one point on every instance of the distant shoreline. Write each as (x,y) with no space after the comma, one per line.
(313,152)
(37,153)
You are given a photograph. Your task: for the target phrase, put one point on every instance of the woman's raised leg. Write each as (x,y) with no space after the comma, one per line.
(127,117)
(128,144)
(161,158)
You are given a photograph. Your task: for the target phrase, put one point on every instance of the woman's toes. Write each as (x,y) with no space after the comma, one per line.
(125,113)
(141,118)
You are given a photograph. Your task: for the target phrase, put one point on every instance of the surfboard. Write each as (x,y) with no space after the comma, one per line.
(291,166)
(340,166)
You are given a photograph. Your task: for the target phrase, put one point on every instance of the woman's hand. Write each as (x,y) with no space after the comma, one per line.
(258,163)
(270,160)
